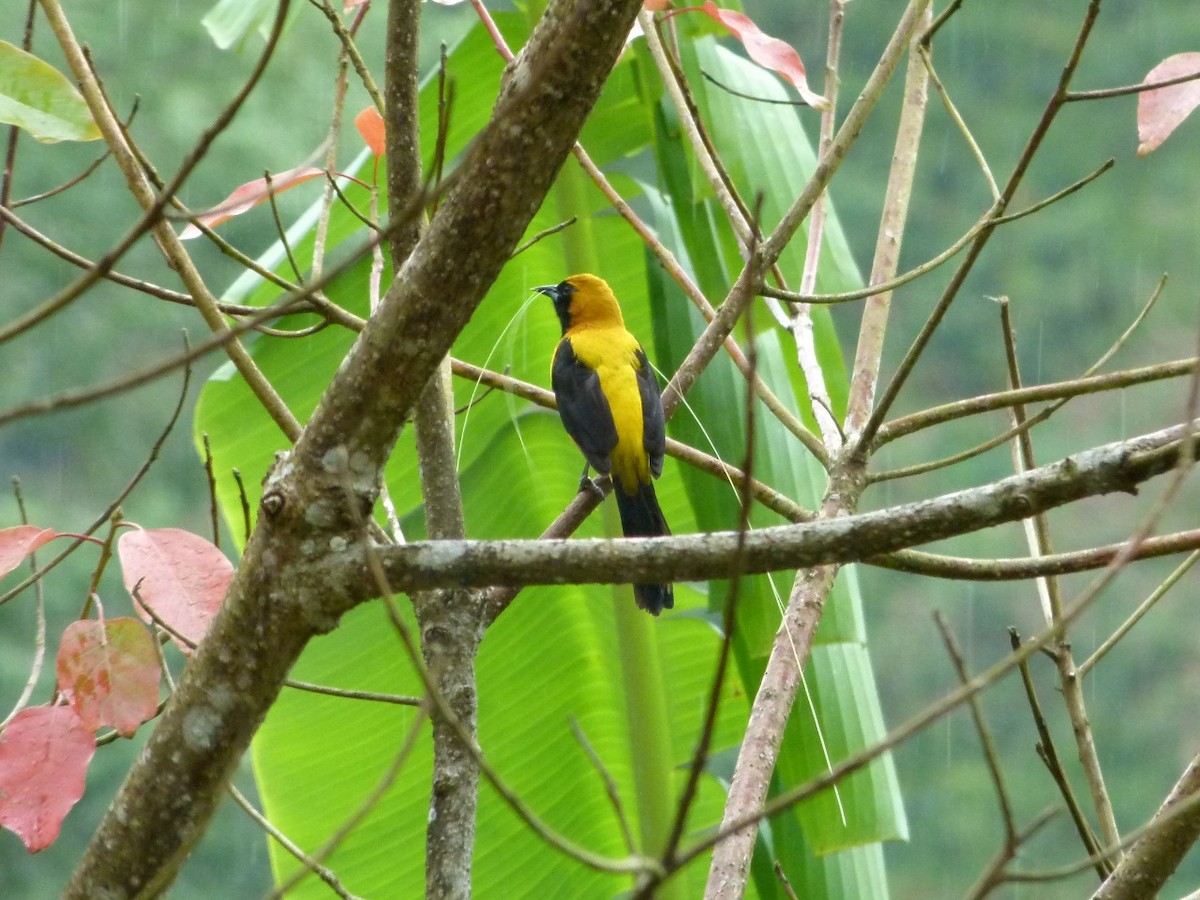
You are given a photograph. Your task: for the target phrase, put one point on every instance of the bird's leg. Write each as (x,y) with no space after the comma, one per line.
(589,485)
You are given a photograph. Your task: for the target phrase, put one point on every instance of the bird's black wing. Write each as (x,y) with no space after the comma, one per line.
(654,424)
(583,407)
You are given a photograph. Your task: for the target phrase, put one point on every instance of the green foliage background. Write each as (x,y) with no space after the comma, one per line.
(638,688)
(1075,275)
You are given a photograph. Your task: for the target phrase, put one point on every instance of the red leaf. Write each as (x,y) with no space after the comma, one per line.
(44,755)
(370,125)
(1160,111)
(179,575)
(108,670)
(769,52)
(248,196)
(17,543)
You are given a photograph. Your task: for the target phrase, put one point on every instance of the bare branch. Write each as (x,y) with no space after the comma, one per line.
(1053,391)
(873,326)
(1144,607)
(1120,466)
(1152,859)
(1049,756)
(934,565)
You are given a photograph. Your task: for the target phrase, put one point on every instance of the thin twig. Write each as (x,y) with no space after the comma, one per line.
(1144,607)
(280,229)
(995,874)
(961,568)
(1106,93)
(543,234)
(610,785)
(336,115)
(989,218)
(214,514)
(313,862)
(951,8)
(1038,533)
(350,49)
(987,743)
(349,694)
(1049,756)
(1053,391)
(801,324)
(956,117)
(733,92)
(323,872)
(246,526)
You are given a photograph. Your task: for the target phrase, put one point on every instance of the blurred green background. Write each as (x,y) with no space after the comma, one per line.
(1076,274)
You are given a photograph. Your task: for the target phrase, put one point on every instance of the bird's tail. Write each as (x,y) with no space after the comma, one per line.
(641,516)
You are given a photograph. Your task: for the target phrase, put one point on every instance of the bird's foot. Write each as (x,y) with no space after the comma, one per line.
(589,486)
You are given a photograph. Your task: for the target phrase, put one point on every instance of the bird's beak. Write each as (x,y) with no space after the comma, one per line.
(550,290)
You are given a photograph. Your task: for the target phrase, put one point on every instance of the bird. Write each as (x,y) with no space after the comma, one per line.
(609,401)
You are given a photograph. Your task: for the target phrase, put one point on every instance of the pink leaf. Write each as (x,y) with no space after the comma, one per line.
(17,543)
(179,575)
(109,671)
(44,755)
(370,125)
(248,196)
(769,52)
(1160,111)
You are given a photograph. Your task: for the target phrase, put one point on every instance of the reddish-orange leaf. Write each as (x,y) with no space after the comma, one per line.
(17,543)
(769,52)
(656,5)
(248,196)
(1160,111)
(44,755)
(108,671)
(370,125)
(179,575)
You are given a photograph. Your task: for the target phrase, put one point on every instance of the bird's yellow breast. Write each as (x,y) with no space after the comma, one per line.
(612,354)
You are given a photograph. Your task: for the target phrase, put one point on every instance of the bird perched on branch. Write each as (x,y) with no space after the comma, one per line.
(609,402)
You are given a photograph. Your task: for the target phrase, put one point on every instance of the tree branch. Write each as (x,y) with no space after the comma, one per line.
(1119,466)
(873,325)
(1168,837)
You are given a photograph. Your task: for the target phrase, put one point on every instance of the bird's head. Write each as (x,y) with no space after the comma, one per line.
(583,300)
